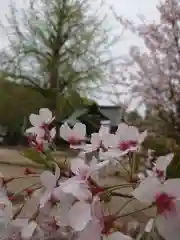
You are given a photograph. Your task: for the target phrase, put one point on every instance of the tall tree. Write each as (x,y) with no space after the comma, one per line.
(57,46)
(155,75)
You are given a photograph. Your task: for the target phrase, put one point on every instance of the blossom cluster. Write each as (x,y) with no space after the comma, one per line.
(67,202)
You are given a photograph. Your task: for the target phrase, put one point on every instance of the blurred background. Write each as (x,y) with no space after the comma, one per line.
(90,61)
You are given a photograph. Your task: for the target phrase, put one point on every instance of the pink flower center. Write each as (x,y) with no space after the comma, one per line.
(74,141)
(108,224)
(44,126)
(96,189)
(39,147)
(164,203)
(124,145)
(160,173)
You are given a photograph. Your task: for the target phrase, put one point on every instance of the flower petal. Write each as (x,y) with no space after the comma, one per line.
(40,135)
(53,133)
(57,172)
(79,215)
(28,231)
(79,130)
(78,165)
(132,133)
(172,187)
(77,188)
(117,236)
(104,130)
(46,196)
(147,189)
(96,166)
(142,136)
(61,214)
(32,130)
(141,176)
(45,115)
(65,131)
(113,153)
(122,131)
(168,225)
(163,161)
(96,208)
(48,180)
(35,120)
(110,141)
(149,225)
(95,140)
(91,231)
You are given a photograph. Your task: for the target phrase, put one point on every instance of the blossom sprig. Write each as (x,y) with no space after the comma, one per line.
(40,135)
(69,199)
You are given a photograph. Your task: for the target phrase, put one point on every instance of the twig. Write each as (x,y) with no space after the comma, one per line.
(130,213)
(116,194)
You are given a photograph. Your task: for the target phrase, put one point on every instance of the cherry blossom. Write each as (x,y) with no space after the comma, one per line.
(80,215)
(40,125)
(27,228)
(161,165)
(74,186)
(49,181)
(83,213)
(166,197)
(159,169)
(127,138)
(73,201)
(98,140)
(80,168)
(75,136)
(61,211)
(92,222)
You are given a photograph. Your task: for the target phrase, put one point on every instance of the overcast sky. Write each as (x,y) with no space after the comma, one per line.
(127,8)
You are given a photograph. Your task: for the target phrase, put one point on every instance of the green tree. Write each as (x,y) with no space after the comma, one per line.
(19,101)
(57,46)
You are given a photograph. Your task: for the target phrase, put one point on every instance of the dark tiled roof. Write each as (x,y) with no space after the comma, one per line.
(113,113)
(74,117)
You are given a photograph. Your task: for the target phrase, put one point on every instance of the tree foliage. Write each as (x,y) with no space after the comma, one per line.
(56,46)
(18,101)
(155,74)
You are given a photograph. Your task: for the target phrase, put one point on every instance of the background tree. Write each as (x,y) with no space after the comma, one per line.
(19,101)
(154,74)
(56,46)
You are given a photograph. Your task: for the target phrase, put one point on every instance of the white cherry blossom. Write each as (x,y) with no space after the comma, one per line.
(80,168)
(166,197)
(159,169)
(82,213)
(76,136)
(74,186)
(161,165)
(49,181)
(40,124)
(127,138)
(26,227)
(98,140)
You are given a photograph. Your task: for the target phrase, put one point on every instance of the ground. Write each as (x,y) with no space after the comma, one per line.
(12,164)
